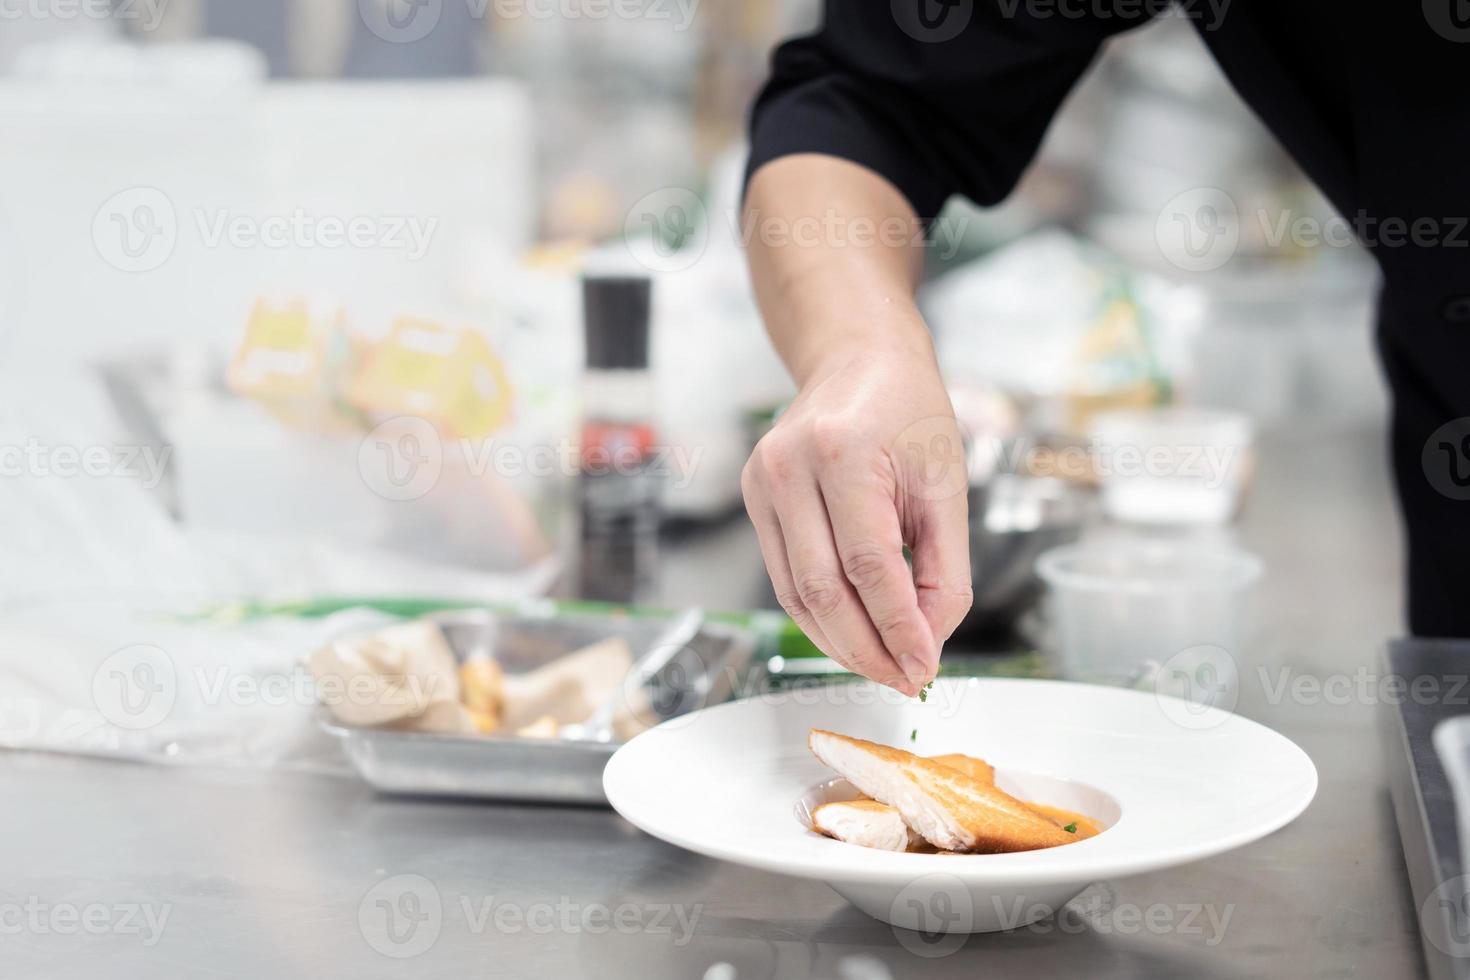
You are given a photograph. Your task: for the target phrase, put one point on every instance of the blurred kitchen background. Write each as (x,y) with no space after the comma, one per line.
(303,280)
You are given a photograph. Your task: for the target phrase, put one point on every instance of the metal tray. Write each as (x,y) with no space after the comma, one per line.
(709,670)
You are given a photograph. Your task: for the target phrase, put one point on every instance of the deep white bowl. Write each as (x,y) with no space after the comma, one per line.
(1172,781)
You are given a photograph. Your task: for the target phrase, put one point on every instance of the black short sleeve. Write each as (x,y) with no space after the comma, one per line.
(938,96)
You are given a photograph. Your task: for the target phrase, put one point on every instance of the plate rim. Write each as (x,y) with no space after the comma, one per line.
(898,868)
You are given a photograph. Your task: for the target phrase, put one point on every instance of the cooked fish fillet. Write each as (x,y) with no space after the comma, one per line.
(869,823)
(866,823)
(969,765)
(949,809)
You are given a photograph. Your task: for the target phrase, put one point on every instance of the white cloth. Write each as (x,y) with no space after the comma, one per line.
(100,650)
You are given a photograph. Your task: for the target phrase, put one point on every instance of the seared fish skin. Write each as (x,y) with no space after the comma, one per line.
(866,823)
(948,808)
(969,765)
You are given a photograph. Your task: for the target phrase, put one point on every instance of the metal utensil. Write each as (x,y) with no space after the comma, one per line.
(506,766)
(599,725)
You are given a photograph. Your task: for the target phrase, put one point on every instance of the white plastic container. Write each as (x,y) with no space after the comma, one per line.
(1125,611)
(1171,465)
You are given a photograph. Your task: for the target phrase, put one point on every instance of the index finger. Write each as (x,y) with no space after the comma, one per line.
(823,590)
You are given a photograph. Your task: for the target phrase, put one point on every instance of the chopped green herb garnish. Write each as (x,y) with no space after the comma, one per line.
(1071,828)
(914,735)
(924,691)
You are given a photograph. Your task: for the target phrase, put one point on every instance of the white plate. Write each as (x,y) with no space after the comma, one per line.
(1172,781)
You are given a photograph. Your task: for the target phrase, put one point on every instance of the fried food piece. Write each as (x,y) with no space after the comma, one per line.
(869,823)
(482,689)
(948,808)
(866,823)
(969,765)
(389,675)
(985,773)
(484,724)
(569,688)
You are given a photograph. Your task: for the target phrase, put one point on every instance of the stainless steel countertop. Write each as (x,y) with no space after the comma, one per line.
(288,874)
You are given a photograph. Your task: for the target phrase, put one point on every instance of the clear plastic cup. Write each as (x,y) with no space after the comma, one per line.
(1123,612)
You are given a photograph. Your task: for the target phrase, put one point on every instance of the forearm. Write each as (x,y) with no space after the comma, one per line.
(835,253)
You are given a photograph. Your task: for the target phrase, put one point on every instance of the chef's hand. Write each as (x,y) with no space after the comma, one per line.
(866,460)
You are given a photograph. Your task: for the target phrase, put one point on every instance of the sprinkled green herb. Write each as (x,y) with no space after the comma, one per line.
(924,691)
(1071,828)
(914,735)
